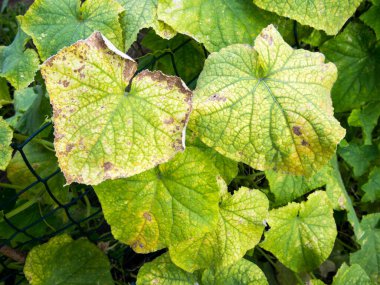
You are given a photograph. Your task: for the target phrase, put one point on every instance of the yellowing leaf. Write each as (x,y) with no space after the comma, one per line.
(6,135)
(165,205)
(268,106)
(216,23)
(102,131)
(240,227)
(18,64)
(56,24)
(242,272)
(162,271)
(65,261)
(302,235)
(141,14)
(327,15)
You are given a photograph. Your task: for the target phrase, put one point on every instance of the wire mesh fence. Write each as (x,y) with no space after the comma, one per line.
(125,262)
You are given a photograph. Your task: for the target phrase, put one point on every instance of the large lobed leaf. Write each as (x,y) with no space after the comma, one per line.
(102,131)
(64,261)
(357,56)
(240,227)
(302,235)
(268,106)
(56,24)
(216,23)
(173,202)
(327,15)
(17,63)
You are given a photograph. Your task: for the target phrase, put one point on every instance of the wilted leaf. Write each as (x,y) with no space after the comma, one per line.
(357,57)
(56,24)
(306,230)
(165,205)
(268,106)
(18,64)
(162,271)
(6,135)
(65,261)
(102,131)
(327,15)
(240,227)
(242,272)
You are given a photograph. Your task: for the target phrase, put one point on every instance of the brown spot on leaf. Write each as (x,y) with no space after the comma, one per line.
(217,97)
(69,147)
(297,130)
(169,121)
(79,69)
(304,143)
(65,83)
(147,216)
(107,166)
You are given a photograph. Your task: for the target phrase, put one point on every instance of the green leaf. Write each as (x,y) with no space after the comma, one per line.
(57,24)
(6,135)
(372,187)
(357,57)
(366,118)
(216,23)
(371,18)
(25,218)
(44,163)
(5,97)
(368,257)
(286,187)
(325,15)
(162,271)
(255,105)
(302,235)
(17,64)
(165,205)
(65,261)
(183,50)
(359,157)
(102,131)
(141,14)
(242,272)
(240,227)
(227,168)
(353,274)
(32,108)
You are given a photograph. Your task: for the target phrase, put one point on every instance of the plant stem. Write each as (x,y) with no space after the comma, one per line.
(46,143)
(21,208)
(266,257)
(11,186)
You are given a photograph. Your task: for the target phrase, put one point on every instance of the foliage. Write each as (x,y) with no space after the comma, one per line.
(223,142)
